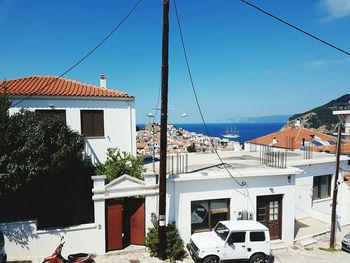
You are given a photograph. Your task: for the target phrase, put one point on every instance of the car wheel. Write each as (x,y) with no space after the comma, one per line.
(257,258)
(211,259)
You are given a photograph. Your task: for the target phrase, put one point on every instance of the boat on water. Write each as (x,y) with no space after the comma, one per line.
(232,134)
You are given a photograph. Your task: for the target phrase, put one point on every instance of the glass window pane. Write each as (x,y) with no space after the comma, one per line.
(324,186)
(271,217)
(316,187)
(275,217)
(215,218)
(271,204)
(257,236)
(237,237)
(276,210)
(276,204)
(218,206)
(199,215)
(271,211)
(321,186)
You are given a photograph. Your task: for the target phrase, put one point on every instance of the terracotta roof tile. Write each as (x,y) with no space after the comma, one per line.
(344,148)
(291,138)
(40,85)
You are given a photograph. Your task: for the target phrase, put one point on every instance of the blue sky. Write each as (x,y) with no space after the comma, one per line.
(243,62)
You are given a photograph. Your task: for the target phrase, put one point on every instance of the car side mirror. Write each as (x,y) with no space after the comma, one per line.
(230,242)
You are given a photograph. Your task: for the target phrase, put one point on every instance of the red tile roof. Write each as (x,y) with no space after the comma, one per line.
(51,86)
(291,138)
(344,148)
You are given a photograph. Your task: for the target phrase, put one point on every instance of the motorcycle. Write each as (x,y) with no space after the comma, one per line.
(57,257)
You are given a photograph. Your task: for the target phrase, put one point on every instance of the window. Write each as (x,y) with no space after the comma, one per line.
(257,236)
(207,213)
(322,186)
(222,231)
(92,122)
(60,114)
(237,237)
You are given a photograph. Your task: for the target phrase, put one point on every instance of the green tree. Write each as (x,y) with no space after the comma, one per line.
(35,148)
(174,245)
(41,171)
(5,104)
(119,163)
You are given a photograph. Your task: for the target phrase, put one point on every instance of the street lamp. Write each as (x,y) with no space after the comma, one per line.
(151,122)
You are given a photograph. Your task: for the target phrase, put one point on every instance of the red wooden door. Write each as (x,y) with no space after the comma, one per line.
(137,221)
(114,227)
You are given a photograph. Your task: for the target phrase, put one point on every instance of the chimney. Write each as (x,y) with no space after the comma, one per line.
(274,140)
(297,123)
(103,81)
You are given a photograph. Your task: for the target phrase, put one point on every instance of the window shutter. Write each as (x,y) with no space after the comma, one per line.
(92,123)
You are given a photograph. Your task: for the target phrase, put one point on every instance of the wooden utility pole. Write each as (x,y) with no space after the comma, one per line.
(163,130)
(335,192)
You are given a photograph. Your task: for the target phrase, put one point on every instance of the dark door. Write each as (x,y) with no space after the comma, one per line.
(125,222)
(114,227)
(137,220)
(269,213)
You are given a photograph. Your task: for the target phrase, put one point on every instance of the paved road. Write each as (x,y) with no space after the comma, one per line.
(293,255)
(296,254)
(315,255)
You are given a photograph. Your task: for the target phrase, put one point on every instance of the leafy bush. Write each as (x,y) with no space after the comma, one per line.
(38,156)
(174,244)
(119,163)
(34,149)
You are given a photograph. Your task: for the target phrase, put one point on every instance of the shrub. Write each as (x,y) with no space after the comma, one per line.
(174,245)
(119,163)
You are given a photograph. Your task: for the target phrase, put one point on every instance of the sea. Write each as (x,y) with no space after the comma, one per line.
(247,131)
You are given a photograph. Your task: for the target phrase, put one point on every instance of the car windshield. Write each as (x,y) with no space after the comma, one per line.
(222,231)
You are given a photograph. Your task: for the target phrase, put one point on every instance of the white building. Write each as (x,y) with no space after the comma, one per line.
(106,117)
(293,202)
(344,111)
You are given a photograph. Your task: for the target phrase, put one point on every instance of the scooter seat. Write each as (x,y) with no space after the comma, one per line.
(78,257)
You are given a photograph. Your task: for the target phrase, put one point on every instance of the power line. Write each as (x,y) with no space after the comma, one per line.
(196,97)
(86,56)
(297,28)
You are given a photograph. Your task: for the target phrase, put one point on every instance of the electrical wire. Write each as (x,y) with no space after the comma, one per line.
(86,56)
(297,28)
(196,96)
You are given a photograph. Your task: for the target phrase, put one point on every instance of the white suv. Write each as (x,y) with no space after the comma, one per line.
(231,240)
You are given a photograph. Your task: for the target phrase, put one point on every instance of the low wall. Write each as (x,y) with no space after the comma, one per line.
(24,241)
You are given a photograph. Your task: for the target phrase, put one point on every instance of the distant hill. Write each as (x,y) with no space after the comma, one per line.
(320,118)
(262,119)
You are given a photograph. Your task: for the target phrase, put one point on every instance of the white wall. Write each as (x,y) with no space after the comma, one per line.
(119,120)
(183,192)
(23,240)
(320,209)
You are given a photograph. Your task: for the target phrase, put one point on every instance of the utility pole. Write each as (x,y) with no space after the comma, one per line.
(335,192)
(163,130)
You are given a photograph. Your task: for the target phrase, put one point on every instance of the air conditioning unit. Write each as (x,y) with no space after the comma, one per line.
(245,215)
